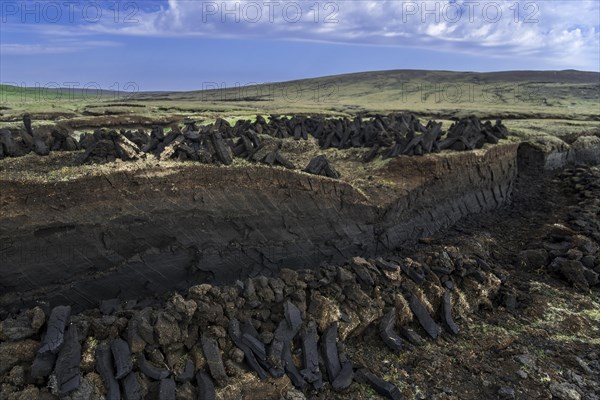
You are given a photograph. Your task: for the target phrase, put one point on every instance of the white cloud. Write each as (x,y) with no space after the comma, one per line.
(561,33)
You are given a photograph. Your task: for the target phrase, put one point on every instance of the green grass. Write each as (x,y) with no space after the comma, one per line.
(533,102)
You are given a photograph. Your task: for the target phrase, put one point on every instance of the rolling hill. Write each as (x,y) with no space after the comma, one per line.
(512,95)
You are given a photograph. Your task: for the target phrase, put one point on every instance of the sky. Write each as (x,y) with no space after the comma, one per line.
(195,44)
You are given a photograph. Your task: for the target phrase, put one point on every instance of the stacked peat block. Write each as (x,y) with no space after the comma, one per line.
(269,152)
(320,165)
(42,143)
(39,141)
(389,136)
(386,136)
(206,145)
(107,146)
(470,133)
(10,144)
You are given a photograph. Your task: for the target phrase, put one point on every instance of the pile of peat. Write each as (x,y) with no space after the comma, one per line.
(260,141)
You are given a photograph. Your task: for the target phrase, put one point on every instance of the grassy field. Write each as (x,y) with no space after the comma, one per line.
(531,102)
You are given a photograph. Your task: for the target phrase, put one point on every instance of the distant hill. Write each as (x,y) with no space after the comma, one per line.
(515,95)
(10,93)
(563,92)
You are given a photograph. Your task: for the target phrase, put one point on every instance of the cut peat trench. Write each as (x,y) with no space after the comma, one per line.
(355,316)
(137,233)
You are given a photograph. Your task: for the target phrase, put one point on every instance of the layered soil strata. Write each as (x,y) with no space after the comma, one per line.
(133,232)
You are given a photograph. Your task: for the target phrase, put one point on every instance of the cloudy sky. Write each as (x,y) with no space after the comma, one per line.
(191,44)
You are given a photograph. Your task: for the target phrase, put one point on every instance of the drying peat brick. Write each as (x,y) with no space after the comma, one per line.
(140,331)
(419,310)
(131,387)
(257,347)
(190,125)
(267,147)
(40,147)
(411,147)
(125,148)
(413,273)
(310,354)
(236,336)
(290,368)
(284,334)
(329,351)
(59,317)
(43,364)
(293,317)
(212,353)
(157,132)
(122,356)
(340,373)
(253,136)
(206,387)
(168,151)
(8,148)
(412,336)
(298,132)
(248,330)
(361,272)
(387,333)
(104,366)
(171,136)
(462,144)
(276,157)
(316,165)
(431,137)
(86,140)
(67,363)
(27,139)
(371,154)
(488,132)
(320,165)
(150,146)
(150,370)
(222,150)
(139,137)
(447,314)
(292,323)
(27,123)
(60,140)
(192,136)
(500,130)
(384,388)
(386,265)
(281,160)
(166,389)
(244,147)
(188,372)
(108,146)
(344,378)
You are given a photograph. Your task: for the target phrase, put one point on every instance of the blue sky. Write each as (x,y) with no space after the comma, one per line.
(187,45)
